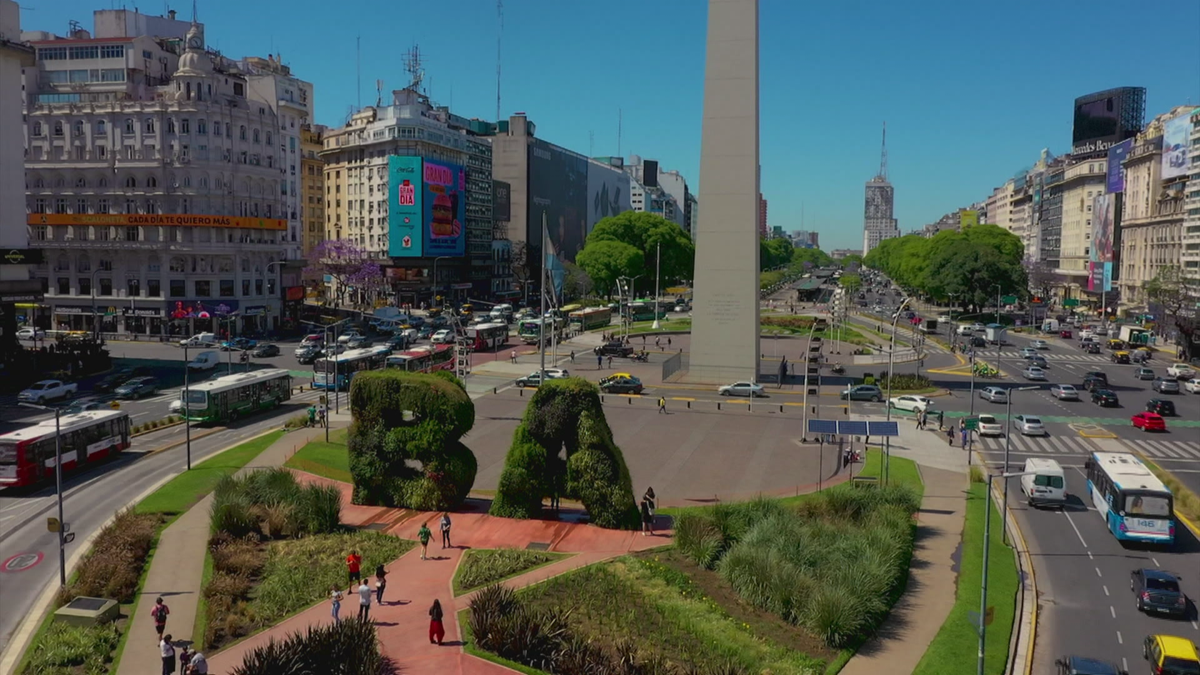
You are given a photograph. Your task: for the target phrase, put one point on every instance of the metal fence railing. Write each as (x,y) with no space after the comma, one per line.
(674,364)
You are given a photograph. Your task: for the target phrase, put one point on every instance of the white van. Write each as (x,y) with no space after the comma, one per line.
(1045,484)
(205,361)
(966,330)
(200,340)
(1050,326)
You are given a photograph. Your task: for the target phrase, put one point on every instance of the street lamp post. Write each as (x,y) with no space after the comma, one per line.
(657,269)
(434,286)
(95,320)
(58,489)
(186,408)
(987,537)
(892,354)
(267,270)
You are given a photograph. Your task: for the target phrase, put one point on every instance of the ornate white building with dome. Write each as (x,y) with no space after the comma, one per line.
(153,185)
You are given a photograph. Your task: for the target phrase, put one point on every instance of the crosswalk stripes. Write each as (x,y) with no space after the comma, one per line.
(1071,445)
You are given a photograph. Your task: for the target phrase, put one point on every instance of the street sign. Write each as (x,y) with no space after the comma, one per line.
(1070,302)
(52,525)
(971,423)
(111,311)
(69,538)
(1009,299)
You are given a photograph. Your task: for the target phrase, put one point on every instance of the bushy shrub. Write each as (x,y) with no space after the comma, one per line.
(507,627)
(64,648)
(113,566)
(480,567)
(905,381)
(273,503)
(566,416)
(410,417)
(346,648)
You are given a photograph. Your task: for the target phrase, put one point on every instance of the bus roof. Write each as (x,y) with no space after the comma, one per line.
(572,308)
(423,350)
(239,379)
(355,354)
(66,423)
(484,326)
(1128,472)
(590,310)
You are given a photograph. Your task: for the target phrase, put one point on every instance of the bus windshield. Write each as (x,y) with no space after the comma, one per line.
(1148,505)
(197,397)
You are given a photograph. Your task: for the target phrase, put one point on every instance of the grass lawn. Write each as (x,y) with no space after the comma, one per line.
(480,567)
(1187,503)
(331,460)
(648,326)
(955,648)
(185,490)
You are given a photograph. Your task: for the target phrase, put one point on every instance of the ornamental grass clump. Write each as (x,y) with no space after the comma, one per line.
(344,647)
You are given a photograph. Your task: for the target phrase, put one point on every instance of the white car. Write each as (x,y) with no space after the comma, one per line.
(349,336)
(1192,385)
(750,389)
(1029,425)
(1180,371)
(990,426)
(31,334)
(911,403)
(1034,373)
(176,407)
(47,390)
(441,337)
(1028,352)
(1064,392)
(1041,344)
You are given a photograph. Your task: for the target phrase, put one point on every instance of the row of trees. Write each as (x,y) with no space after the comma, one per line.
(1179,300)
(969,268)
(625,245)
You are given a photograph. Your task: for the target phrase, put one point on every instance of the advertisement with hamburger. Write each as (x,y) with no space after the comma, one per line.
(445,204)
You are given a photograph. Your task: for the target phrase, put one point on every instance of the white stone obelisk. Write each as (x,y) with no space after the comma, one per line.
(725,321)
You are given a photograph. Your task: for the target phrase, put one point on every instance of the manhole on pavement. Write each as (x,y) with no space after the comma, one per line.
(538,546)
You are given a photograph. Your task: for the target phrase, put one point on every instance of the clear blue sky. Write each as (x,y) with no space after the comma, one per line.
(971,91)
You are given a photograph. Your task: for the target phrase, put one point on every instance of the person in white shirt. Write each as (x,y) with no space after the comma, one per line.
(168,654)
(198,666)
(364,601)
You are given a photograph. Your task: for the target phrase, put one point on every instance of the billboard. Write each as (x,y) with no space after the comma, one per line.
(405,192)
(1115,181)
(558,192)
(607,192)
(1106,118)
(445,208)
(967,219)
(650,173)
(501,201)
(1101,255)
(1175,147)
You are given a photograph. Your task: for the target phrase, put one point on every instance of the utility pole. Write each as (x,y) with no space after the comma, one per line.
(542,293)
(657,269)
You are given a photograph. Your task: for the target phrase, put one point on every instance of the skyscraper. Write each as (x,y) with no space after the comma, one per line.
(878,220)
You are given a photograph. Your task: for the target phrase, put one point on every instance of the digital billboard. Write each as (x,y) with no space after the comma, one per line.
(445,208)
(1175,147)
(501,201)
(558,191)
(968,219)
(1101,255)
(1115,181)
(607,192)
(405,192)
(1106,118)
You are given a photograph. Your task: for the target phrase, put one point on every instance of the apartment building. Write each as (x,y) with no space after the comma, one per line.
(312,187)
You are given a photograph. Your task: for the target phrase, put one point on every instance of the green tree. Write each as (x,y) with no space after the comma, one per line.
(850,282)
(1172,290)
(607,260)
(576,283)
(649,234)
(773,253)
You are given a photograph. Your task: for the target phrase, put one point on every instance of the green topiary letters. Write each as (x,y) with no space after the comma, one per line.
(401,417)
(566,414)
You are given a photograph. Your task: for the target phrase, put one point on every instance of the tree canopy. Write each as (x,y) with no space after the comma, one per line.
(644,233)
(850,282)
(607,260)
(773,253)
(965,267)
(1170,289)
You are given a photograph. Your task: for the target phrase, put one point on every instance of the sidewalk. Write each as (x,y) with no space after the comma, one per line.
(916,619)
(178,565)
(403,620)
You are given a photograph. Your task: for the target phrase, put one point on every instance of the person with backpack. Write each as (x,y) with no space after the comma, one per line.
(423,536)
(159,614)
(436,630)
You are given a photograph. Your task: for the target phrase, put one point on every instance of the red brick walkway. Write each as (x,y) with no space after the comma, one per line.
(403,620)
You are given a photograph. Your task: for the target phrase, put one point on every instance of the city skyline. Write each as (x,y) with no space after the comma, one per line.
(928,96)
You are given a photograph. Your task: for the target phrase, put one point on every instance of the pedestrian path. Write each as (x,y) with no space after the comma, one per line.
(402,621)
(929,595)
(178,566)
(1075,445)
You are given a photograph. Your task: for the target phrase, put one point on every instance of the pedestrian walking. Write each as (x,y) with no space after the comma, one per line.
(423,536)
(668,340)
(599,361)
(941,418)
(610,361)
(354,567)
(364,601)
(966,435)
(380,583)
(312,415)
(159,614)
(651,499)
(513,356)
(658,342)
(436,630)
(572,356)
(950,436)
(168,654)
(662,405)
(647,518)
(185,658)
(446,530)
(336,597)
(643,341)
(917,417)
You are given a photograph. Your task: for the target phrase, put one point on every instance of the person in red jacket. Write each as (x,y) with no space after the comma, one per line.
(354,567)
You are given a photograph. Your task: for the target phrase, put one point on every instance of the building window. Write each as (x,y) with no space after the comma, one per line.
(258,286)
(185,205)
(177,264)
(52,54)
(226,287)
(37,128)
(203,288)
(154,288)
(58,129)
(268,138)
(151,182)
(201,127)
(85,286)
(39,205)
(81,205)
(170,125)
(242,132)
(112,51)
(133,287)
(101,153)
(60,205)
(106,287)
(129,126)
(245,288)
(151,206)
(103,233)
(185,126)
(40,232)
(64,285)
(79,128)
(178,288)
(131,233)
(216,128)
(150,125)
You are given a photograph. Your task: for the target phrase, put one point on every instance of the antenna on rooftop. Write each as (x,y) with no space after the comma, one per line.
(378,93)
(883,155)
(414,68)
(358,68)
(499,35)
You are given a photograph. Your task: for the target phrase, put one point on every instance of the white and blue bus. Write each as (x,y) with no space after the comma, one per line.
(1134,503)
(345,365)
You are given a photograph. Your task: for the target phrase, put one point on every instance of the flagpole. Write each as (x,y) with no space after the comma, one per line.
(657,267)
(542,293)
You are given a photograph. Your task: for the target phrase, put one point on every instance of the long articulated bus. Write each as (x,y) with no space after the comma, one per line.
(589,318)
(227,398)
(27,455)
(1133,502)
(336,372)
(487,336)
(530,330)
(425,359)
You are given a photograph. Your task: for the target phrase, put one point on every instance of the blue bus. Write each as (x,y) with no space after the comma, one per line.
(345,365)
(1133,502)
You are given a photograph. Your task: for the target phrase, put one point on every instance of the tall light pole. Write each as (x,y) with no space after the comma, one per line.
(987,538)
(657,268)
(187,407)
(267,269)
(1007,445)
(892,354)
(997,287)
(434,288)
(62,525)
(95,320)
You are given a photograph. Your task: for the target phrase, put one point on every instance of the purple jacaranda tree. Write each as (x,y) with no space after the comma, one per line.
(349,266)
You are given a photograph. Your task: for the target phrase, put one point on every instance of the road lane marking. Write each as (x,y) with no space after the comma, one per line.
(1121,641)
(1098,573)
(1124,663)
(1111,610)
(1106,587)
(1077,534)
(1155,561)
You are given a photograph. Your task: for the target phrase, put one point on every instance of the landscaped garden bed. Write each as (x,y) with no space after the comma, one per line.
(480,567)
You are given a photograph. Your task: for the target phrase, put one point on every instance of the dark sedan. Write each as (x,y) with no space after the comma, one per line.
(238,344)
(614,348)
(263,351)
(1105,398)
(308,356)
(621,384)
(1158,592)
(114,380)
(1161,406)
(1083,665)
(137,388)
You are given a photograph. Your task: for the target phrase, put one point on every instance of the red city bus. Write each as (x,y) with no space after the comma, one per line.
(487,336)
(27,455)
(424,359)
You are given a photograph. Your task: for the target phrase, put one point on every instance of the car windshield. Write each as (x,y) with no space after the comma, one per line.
(987,419)
(1162,584)
(1174,666)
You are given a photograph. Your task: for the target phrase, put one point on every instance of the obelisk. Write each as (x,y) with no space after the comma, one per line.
(725,325)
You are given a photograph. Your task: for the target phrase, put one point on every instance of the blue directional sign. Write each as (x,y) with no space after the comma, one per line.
(822,426)
(886,429)
(852,427)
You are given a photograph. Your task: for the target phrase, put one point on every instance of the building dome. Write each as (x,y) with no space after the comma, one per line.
(194,61)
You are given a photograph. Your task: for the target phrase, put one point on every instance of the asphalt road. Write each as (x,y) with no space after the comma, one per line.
(90,498)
